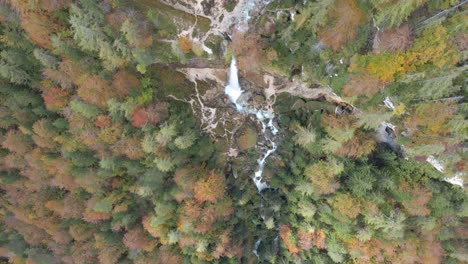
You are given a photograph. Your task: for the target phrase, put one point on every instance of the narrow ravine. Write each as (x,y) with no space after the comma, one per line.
(234,92)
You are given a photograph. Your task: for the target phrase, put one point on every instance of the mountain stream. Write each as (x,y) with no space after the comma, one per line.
(265,117)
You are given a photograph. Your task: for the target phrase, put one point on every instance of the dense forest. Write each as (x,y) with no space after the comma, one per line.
(233,131)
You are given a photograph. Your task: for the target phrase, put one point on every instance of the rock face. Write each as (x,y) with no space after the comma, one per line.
(218,12)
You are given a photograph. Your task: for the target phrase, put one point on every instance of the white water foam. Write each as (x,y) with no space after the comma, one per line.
(456,180)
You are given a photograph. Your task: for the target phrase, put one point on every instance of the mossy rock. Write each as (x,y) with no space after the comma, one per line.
(268,173)
(247,138)
(230,5)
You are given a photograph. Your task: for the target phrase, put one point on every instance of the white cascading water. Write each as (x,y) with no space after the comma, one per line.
(234,91)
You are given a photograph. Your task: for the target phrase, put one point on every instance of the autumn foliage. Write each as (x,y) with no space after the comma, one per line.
(40,27)
(429,122)
(185,43)
(392,40)
(15,141)
(416,205)
(103,157)
(56,98)
(151,114)
(322,177)
(359,145)
(95,90)
(346,16)
(137,239)
(123,82)
(248,49)
(302,240)
(286,235)
(432,48)
(347,205)
(362,85)
(210,188)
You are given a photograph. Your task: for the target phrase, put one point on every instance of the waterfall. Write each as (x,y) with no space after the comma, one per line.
(234,92)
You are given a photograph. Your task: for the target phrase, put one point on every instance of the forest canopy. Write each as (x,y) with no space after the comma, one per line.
(120,143)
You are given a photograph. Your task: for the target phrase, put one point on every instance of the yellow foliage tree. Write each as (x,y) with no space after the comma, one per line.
(322,175)
(434,46)
(347,205)
(386,66)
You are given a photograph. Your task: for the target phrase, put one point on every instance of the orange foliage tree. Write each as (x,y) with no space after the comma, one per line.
(55,99)
(167,255)
(44,136)
(103,121)
(392,40)
(151,114)
(137,239)
(365,252)
(70,207)
(123,82)
(286,235)
(203,208)
(347,16)
(73,70)
(210,188)
(92,216)
(17,142)
(83,252)
(362,144)
(110,254)
(95,90)
(185,43)
(302,240)
(130,147)
(250,55)
(362,84)
(420,196)
(305,240)
(319,239)
(39,27)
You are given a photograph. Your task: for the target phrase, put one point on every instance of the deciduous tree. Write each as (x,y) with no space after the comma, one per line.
(362,84)
(123,81)
(210,187)
(323,174)
(416,204)
(346,16)
(56,99)
(347,205)
(393,40)
(17,142)
(286,235)
(137,239)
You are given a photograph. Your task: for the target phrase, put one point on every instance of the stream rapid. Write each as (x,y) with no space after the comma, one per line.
(265,117)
